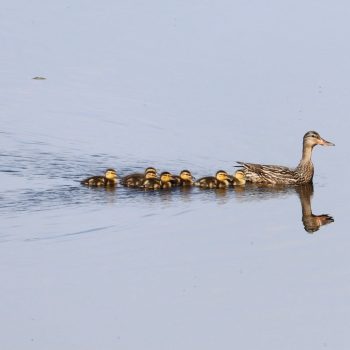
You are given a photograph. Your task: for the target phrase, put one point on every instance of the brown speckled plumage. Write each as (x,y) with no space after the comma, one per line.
(275,174)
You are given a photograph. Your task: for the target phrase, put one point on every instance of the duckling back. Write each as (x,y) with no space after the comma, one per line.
(151,184)
(137,179)
(207,182)
(133,180)
(166,185)
(98,181)
(176,181)
(93,181)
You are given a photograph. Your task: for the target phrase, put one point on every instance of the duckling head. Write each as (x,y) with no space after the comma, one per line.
(221,175)
(240,177)
(150,175)
(166,177)
(111,174)
(150,170)
(186,175)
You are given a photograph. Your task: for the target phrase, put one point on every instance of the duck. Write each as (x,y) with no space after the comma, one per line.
(136,179)
(164,181)
(281,175)
(184,179)
(220,180)
(238,179)
(109,179)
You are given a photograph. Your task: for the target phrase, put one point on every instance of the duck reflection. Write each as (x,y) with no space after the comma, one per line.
(312,222)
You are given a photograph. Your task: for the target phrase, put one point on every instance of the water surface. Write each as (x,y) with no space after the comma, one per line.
(196,86)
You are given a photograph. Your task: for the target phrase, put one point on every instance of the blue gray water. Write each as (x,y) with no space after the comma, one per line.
(194,85)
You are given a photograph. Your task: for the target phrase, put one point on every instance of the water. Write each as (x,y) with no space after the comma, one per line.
(174,86)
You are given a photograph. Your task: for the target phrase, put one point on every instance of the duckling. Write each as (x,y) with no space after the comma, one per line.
(238,179)
(184,179)
(136,179)
(108,180)
(164,181)
(220,180)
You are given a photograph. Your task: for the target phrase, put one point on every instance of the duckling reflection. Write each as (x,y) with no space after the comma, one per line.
(185,193)
(222,195)
(312,223)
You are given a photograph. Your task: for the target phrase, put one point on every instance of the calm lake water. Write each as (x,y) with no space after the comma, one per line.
(197,86)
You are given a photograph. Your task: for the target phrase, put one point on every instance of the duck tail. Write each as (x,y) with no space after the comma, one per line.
(241,164)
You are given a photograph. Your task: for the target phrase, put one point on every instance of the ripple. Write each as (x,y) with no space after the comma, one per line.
(71,234)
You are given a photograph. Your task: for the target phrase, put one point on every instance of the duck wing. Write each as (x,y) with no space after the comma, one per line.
(270,174)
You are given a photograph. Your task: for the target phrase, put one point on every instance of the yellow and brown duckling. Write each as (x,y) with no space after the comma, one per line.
(108,180)
(164,181)
(238,179)
(220,180)
(184,179)
(137,179)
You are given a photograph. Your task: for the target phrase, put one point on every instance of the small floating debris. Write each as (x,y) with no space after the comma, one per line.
(39,78)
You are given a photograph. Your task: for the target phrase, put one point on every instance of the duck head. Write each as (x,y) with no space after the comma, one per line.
(151,170)
(150,175)
(313,138)
(166,177)
(186,175)
(221,175)
(111,174)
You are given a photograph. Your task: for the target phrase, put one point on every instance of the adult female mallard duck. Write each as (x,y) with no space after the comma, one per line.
(164,181)
(108,180)
(184,179)
(137,179)
(275,174)
(220,180)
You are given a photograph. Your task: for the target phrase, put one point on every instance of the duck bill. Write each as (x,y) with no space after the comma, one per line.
(323,142)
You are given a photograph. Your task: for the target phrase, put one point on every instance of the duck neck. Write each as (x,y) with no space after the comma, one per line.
(306,155)
(305,169)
